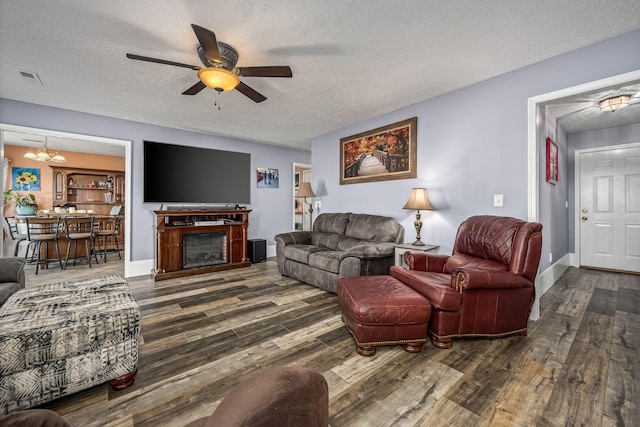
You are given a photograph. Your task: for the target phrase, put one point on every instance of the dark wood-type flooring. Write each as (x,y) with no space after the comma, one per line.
(201,335)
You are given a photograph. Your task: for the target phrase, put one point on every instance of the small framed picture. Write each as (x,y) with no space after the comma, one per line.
(25,179)
(552,162)
(297,180)
(267,178)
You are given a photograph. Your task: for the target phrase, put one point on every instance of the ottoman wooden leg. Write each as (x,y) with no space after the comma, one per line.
(366,351)
(123,382)
(412,347)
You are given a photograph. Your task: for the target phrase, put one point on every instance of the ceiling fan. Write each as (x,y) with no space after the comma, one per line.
(220,72)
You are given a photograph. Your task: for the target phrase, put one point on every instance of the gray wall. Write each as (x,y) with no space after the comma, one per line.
(593,139)
(472,144)
(553,212)
(272,212)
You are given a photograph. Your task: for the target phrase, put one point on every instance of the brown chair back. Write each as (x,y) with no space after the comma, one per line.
(504,243)
(42,228)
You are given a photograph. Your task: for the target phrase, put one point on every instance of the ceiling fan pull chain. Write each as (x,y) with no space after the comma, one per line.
(217,99)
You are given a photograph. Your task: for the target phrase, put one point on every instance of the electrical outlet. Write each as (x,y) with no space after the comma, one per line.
(498,200)
(318,204)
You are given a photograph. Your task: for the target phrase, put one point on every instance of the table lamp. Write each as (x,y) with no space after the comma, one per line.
(418,200)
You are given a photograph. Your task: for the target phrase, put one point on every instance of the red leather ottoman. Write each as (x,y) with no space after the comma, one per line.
(381,310)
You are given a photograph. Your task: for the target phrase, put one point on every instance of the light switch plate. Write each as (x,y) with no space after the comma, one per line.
(498,200)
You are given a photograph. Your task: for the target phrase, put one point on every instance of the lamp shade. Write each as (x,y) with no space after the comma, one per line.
(305,190)
(58,158)
(218,78)
(418,200)
(615,103)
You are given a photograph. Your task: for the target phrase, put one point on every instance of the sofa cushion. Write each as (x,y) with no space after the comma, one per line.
(334,223)
(301,253)
(326,240)
(372,228)
(327,260)
(438,290)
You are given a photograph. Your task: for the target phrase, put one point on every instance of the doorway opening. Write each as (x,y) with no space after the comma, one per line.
(301,216)
(533,161)
(127,144)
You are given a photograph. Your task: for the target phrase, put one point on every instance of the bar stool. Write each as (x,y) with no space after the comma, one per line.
(79,228)
(110,228)
(39,231)
(16,236)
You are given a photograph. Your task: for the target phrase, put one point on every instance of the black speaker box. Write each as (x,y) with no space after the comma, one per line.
(257,250)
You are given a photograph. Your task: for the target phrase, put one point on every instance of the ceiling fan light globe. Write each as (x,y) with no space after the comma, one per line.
(218,78)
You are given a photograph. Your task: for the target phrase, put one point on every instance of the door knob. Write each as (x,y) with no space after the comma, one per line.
(584,210)
(584,218)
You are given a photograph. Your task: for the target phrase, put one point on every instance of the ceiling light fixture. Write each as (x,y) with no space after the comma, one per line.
(44,155)
(218,79)
(615,103)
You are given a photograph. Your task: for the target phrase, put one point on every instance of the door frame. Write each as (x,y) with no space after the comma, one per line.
(293,191)
(533,148)
(576,215)
(127,174)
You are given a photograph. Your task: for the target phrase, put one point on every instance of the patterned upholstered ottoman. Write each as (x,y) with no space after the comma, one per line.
(61,338)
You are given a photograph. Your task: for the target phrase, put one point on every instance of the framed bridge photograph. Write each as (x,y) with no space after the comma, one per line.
(380,154)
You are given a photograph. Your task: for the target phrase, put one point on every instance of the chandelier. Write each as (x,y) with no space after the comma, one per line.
(44,155)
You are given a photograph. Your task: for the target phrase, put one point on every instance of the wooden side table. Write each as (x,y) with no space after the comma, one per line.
(404,247)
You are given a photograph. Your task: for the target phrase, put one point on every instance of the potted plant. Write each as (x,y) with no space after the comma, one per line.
(25,203)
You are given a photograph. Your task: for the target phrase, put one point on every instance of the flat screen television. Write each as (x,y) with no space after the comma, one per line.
(193,175)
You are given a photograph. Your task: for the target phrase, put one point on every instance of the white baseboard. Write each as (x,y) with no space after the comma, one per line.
(138,268)
(271,251)
(553,273)
(545,281)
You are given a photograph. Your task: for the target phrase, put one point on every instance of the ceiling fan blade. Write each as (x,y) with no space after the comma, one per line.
(162,61)
(250,93)
(208,42)
(195,89)
(269,71)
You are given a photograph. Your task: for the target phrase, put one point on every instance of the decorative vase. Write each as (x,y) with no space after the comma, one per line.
(25,210)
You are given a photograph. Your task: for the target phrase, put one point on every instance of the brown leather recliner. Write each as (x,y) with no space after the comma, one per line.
(486,287)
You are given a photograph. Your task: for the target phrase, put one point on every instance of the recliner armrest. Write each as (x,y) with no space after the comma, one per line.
(294,238)
(475,278)
(424,261)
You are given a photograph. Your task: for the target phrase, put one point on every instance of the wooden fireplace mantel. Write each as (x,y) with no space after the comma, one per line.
(172,225)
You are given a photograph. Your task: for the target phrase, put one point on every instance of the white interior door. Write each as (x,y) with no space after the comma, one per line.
(609,209)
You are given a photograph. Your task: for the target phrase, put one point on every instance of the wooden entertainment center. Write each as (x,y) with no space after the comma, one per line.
(193,241)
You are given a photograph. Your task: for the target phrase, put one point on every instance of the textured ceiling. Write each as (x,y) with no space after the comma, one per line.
(351,60)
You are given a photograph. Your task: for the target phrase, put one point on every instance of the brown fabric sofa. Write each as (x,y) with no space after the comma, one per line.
(486,287)
(340,245)
(276,396)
